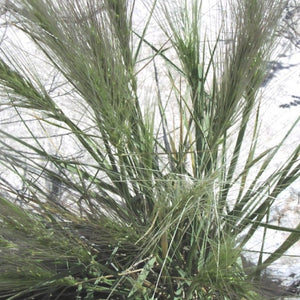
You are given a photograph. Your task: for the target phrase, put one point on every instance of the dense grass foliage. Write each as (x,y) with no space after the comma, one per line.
(101,198)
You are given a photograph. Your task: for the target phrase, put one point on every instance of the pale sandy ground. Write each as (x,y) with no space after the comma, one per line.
(282,89)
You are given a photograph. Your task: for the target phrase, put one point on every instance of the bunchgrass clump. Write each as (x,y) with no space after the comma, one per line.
(101,200)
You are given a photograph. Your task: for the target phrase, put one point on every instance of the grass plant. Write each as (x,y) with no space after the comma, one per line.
(100,199)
